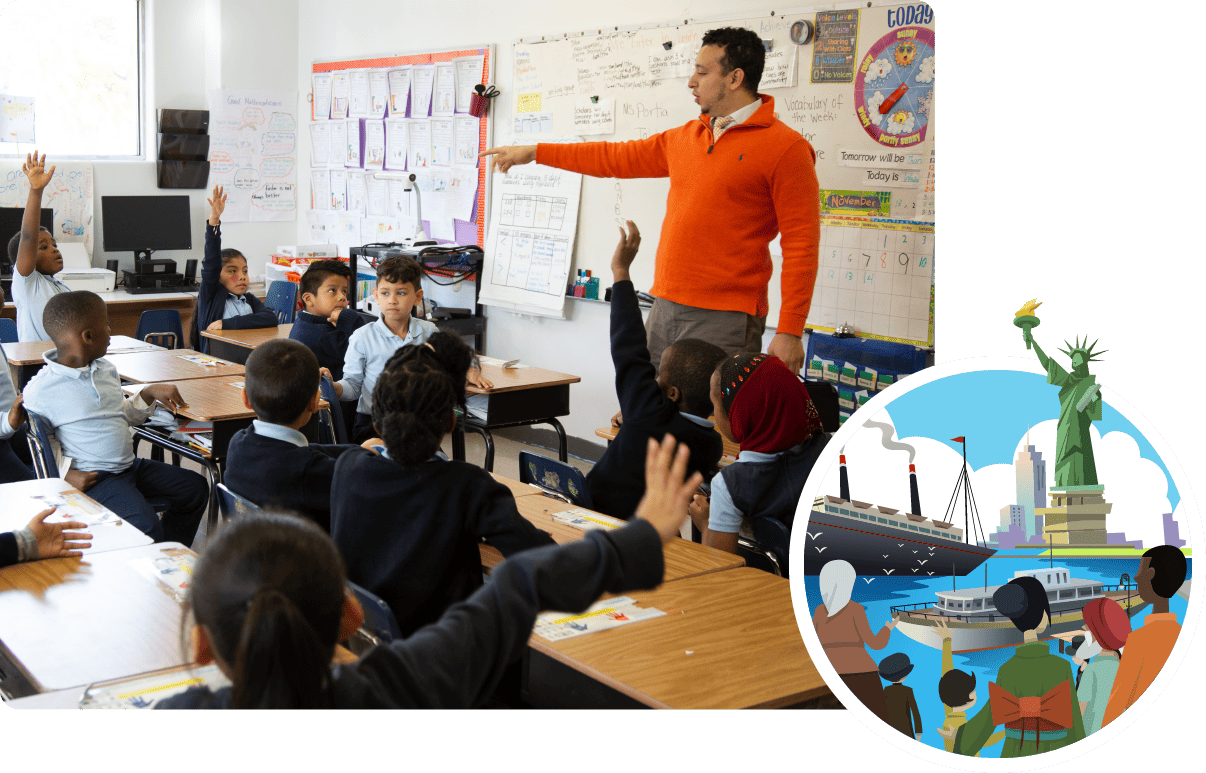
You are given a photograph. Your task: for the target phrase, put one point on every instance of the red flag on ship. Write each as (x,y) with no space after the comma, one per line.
(957,439)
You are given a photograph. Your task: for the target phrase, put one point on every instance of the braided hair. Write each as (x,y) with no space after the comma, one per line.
(416,394)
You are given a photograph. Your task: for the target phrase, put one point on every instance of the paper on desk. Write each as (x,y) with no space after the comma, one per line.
(74,506)
(202,359)
(172,569)
(604,614)
(587,520)
(144,691)
(498,363)
(119,343)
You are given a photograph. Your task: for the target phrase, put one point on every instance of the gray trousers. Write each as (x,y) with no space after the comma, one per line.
(733,331)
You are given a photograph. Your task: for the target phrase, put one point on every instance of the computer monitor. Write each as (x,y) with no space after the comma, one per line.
(144,224)
(10,225)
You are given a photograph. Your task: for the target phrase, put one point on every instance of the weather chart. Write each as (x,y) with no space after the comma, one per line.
(894,87)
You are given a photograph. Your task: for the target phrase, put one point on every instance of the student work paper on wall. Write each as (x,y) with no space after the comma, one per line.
(468,75)
(339,143)
(322,95)
(253,153)
(69,195)
(533,220)
(421,90)
(397,143)
(320,143)
(16,119)
(399,90)
(444,102)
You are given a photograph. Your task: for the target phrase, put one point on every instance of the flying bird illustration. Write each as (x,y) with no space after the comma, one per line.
(814,536)
(914,570)
(914,551)
(922,563)
(868,580)
(889,571)
(885,556)
(900,544)
(821,550)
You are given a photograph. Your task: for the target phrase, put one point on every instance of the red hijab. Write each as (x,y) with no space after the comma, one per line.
(769,407)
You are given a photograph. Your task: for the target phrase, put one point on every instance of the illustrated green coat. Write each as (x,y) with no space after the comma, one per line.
(1074,462)
(1030,673)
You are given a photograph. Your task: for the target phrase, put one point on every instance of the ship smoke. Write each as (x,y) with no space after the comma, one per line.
(888,442)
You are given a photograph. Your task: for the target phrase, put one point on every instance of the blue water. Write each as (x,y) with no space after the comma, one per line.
(883,593)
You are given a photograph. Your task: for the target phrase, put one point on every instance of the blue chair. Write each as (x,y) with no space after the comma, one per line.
(330,422)
(380,626)
(282,298)
(161,327)
(768,550)
(231,505)
(8,331)
(556,477)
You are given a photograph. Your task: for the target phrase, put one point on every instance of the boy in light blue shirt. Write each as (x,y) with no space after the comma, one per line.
(397,291)
(35,257)
(79,394)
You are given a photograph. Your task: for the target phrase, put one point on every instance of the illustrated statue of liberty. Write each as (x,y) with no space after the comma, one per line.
(1079,403)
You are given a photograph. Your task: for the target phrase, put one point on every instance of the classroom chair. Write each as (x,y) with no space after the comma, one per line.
(330,421)
(824,396)
(8,331)
(556,477)
(160,327)
(231,504)
(282,298)
(768,549)
(380,626)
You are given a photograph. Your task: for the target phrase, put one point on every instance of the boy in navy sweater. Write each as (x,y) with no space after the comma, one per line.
(271,462)
(223,302)
(326,324)
(674,401)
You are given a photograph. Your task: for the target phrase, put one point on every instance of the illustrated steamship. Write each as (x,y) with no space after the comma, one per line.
(880,541)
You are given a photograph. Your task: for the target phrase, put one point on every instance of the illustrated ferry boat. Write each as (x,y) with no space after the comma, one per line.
(883,542)
(975,624)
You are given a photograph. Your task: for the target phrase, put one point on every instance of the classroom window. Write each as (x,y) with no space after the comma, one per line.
(80,61)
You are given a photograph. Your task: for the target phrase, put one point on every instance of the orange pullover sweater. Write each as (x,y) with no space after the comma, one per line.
(728,199)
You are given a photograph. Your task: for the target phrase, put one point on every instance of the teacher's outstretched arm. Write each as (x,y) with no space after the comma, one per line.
(504,157)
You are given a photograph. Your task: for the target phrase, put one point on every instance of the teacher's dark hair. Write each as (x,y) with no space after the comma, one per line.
(742,50)
(1024,601)
(269,592)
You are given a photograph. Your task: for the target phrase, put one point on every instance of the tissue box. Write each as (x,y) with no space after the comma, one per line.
(97,280)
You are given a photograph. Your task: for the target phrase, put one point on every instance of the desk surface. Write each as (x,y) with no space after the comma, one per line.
(30,352)
(250,338)
(517,488)
(729,640)
(69,622)
(683,558)
(219,398)
(17,507)
(731,449)
(514,379)
(169,365)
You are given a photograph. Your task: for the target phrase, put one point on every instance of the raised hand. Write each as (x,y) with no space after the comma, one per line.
(35,169)
(625,254)
(217,204)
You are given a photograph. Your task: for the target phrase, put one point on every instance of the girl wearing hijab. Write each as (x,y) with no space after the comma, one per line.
(842,627)
(762,406)
(1034,696)
(1106,630)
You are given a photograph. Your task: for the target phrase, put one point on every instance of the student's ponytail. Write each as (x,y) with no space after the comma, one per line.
(280,662)
(416,394)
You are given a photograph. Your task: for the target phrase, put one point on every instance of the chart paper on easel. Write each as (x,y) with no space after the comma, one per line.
(530,242)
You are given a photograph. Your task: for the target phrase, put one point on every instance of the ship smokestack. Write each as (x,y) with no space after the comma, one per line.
(914,497)
(845,485)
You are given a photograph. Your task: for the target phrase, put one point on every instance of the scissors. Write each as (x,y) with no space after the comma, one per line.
(489,92)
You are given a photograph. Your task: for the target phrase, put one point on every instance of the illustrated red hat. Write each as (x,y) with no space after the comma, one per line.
(1108,622)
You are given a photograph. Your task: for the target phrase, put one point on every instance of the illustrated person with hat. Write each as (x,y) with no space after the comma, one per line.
(1161,573)
(1106,630)
(902,706)
(1033,696)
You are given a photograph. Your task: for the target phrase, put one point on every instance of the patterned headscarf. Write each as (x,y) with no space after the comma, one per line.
(768,406)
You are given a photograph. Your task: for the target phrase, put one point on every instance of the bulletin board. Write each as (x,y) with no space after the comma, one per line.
(69,194)
(626,83)
(349,227)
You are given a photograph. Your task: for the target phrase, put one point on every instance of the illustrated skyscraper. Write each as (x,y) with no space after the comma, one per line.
(1031,474)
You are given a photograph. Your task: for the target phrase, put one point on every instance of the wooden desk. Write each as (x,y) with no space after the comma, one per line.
(517,488)
(66,622)
(683,558)
(26,359)
(520,397)
(729,640)
(236,345)
(731,449)
(169,365)
(17,507)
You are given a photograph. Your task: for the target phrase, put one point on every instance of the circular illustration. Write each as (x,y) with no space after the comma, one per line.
(894,87)
(980,546)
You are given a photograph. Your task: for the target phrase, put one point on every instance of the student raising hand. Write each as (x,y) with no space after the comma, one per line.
(625,253)
(666,493)
(54,541)
(217,205)
(35,169)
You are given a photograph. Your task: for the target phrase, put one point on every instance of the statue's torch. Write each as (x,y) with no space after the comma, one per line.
(1025,319)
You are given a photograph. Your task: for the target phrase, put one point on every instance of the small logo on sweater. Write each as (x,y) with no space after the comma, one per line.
(741,157)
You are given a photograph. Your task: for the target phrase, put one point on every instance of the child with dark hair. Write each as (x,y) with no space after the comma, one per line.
(398,289)
(12,418)
(761,405)
(1032,672)
(674,400)
(326,323)
(223,302)
(79,394)
(270,602)
(408,522)
(957,691)
(35,257)
(271,462)
(1161,573)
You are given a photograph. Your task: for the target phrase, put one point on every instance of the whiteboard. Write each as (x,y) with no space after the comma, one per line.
(553,76)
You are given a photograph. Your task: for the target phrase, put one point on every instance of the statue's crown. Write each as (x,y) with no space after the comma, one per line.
(1084,348)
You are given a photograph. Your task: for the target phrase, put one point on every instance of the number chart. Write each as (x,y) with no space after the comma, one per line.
(877,276)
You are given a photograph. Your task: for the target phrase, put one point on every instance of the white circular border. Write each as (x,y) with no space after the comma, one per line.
(804,615)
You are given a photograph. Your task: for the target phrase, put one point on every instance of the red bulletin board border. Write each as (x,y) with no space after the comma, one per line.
(431,58)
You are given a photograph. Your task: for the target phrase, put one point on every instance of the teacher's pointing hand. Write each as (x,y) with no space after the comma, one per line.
(503,158)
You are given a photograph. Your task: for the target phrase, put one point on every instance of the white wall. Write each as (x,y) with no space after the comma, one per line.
(192,46)
(327,31)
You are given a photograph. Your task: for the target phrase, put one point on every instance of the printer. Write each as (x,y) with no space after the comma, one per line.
(78,273)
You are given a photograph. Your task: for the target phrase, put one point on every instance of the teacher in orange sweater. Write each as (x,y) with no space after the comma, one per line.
(738,176)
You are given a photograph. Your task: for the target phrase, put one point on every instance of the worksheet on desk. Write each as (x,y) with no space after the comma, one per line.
(604,614)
